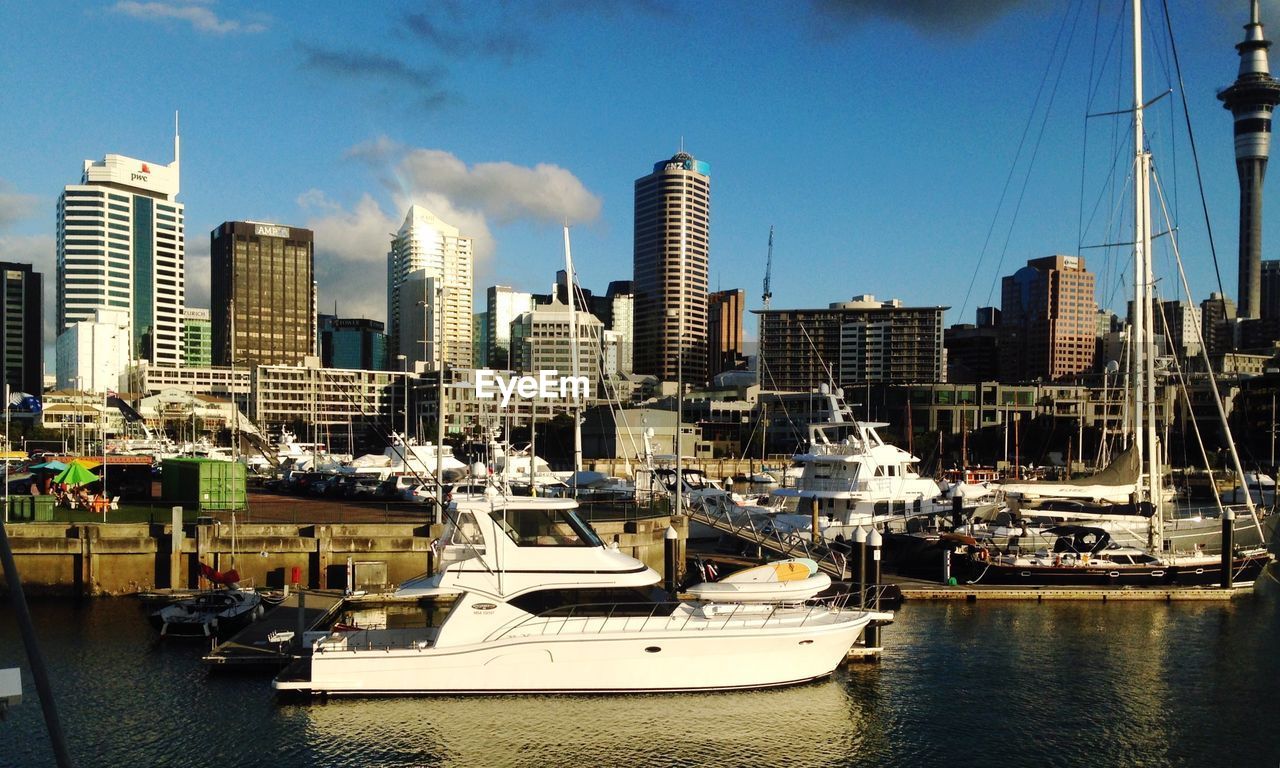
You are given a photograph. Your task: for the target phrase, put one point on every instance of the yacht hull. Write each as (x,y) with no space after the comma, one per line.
(688,659)
(1197,574)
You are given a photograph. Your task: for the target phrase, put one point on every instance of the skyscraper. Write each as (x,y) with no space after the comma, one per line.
(503,305)
(724,330)
(22,328)
(428,249)
(671,250)
(121,248)
(268,271)
(354,343)
(1048,319)
(1251,99)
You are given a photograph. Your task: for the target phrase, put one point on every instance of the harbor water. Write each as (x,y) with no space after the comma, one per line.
(960,684)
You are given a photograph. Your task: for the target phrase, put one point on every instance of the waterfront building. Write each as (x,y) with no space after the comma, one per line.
(330,402)
(1048,316)
(91,354)
(121,248)
(267,273)
(197,338)
(439,257)
(503,305)
(541,340)
(221,382)
(672,245)
(724,331)
(854,342)
(348,342)
(22,328)
(1251,99)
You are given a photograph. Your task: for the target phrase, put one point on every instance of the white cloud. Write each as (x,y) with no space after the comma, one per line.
(351,254)
(200,17)
(503,191)
(351,245)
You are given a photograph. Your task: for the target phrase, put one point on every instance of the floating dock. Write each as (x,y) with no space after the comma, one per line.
(924,590)
(251,647)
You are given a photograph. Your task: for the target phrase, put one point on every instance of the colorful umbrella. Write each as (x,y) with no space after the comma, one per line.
(75,475)
(49,466)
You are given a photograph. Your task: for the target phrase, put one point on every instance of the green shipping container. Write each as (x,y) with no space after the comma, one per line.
(204,483)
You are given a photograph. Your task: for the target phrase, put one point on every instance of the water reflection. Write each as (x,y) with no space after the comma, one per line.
(812,725)
(1051,684)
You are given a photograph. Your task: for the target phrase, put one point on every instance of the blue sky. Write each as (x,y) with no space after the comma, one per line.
(877,136)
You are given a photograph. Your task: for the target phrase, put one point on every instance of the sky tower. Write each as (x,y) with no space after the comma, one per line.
(1251,99)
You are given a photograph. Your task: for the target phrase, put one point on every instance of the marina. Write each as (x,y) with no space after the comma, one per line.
(491,526)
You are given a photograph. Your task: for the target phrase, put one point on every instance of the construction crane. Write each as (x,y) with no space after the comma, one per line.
(768,272)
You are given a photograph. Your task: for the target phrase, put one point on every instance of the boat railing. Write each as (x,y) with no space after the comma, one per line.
(721,513)
(599,618)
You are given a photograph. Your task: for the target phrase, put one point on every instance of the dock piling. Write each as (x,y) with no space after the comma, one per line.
(1228,530)
(872,632)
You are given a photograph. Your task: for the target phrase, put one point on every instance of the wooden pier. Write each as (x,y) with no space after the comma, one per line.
(251,647)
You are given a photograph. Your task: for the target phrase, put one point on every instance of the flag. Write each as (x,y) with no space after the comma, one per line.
(22,401)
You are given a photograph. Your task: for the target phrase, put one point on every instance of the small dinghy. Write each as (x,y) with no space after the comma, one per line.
(783,581)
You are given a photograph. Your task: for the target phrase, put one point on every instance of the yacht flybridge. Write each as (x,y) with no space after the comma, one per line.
(540,604)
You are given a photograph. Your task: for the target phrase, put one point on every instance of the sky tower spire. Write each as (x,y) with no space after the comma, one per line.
(1251,99)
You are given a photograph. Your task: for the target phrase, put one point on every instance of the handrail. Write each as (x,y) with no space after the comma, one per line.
(719,513)
(749,615)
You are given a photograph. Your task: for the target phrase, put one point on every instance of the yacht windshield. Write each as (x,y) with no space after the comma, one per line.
(545,528)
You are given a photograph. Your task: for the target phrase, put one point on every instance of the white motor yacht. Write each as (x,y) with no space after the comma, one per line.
(856,479)
(540,604)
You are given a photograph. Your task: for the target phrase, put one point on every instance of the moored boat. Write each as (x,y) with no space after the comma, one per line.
(540,604)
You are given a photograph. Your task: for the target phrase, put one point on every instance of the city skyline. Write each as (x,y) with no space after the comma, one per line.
(812,123)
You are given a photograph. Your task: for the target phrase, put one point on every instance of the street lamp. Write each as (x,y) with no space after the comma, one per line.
(404,368)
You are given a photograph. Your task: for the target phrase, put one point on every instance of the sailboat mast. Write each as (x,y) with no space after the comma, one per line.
(1149,483)
(573,353)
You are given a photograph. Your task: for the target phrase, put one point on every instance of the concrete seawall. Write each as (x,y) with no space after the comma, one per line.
(124,558)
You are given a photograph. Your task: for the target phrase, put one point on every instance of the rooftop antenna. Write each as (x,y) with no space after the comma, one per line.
(177,167)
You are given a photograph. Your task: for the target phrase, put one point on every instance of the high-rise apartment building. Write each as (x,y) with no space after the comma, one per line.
(1251,99)
(426,248)
(852,342)
(267,272)
(1048,318)
(671,250)
(121,248)
(724,330)
(542,339)
(503,305)
(21,328)
(197,338)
